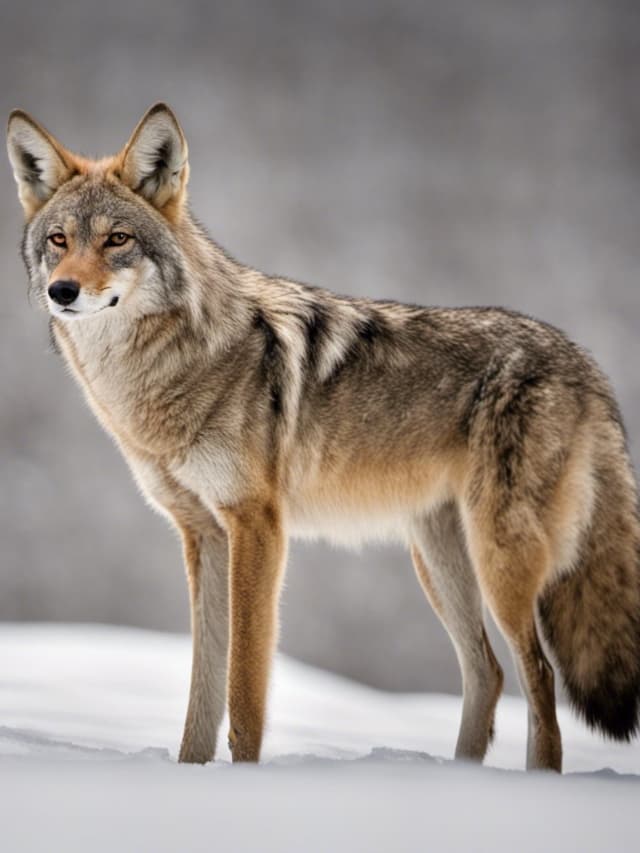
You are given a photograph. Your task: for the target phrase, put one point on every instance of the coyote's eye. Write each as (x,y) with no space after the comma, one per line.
(118,238)
(58,240)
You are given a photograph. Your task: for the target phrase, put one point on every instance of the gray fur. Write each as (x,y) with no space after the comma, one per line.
(255,407)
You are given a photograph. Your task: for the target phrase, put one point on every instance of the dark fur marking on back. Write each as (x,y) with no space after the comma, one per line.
(271,362)
(370,328)
(370,331)
(316,330)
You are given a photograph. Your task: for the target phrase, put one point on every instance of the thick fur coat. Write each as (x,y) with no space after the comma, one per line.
(251,408)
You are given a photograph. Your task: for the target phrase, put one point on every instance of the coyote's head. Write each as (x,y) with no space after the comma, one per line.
(102,233)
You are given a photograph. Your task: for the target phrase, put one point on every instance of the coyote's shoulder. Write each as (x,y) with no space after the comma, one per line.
(252,407)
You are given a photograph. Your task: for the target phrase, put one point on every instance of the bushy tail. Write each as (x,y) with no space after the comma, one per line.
(591,616)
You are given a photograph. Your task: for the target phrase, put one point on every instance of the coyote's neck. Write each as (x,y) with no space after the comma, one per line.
(144,374)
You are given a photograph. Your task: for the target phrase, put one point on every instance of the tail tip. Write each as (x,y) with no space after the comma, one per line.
(615,713)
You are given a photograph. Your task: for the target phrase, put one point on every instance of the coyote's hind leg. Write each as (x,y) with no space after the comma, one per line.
(511,562)
(446,575)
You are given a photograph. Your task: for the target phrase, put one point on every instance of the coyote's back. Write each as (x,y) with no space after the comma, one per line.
(251,408)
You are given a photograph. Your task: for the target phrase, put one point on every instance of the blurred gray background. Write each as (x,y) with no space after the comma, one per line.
(455,152)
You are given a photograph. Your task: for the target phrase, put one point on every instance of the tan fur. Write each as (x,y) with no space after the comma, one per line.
(251,408)
(86,267)
(257,554)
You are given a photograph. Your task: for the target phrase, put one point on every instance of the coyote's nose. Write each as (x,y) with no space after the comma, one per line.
(64,292)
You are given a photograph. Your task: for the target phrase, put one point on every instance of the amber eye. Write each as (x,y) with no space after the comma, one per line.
(118,238)
(58,239)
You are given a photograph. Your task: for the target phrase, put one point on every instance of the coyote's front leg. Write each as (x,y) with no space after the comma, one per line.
(256,559)
(206,559)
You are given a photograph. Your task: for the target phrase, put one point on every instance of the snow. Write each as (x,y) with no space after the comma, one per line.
(90,721)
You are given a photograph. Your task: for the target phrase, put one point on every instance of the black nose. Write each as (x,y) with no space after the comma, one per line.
(64,292)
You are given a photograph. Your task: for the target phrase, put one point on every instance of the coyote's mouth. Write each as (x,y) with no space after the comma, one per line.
(79,312)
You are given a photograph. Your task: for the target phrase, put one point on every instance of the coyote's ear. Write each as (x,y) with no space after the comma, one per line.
(154,161)
(40,163)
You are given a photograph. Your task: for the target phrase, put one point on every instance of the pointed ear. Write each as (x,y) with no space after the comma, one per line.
(155,160)
(40,163)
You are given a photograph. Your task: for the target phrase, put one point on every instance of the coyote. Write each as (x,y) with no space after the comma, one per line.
(252,408)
